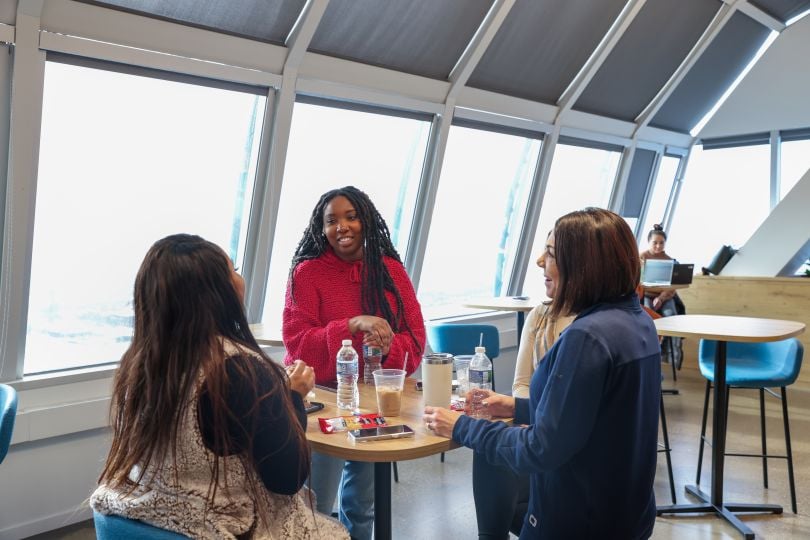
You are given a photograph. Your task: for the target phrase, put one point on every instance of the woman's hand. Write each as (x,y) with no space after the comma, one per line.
(499,405)
(302,377)
(440,421)
(376,329)
(656,303)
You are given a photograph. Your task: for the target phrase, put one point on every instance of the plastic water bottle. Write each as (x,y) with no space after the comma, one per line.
(372,361)
(480,379)
(347,393)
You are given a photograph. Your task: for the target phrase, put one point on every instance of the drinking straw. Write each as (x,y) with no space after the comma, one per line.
(481,340)
(405,362)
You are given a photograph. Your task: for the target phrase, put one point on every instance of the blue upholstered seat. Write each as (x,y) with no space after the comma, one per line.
(8,411)
(459,339)
(755,365)
(758,366)
(111,527)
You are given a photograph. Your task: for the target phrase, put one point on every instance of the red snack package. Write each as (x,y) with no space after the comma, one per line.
(458,404)
(345,423)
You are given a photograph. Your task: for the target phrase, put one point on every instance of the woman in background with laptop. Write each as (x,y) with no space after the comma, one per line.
(666,301)
(663,302)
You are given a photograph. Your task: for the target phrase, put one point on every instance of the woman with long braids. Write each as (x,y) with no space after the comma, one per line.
(348,282)
(207,432)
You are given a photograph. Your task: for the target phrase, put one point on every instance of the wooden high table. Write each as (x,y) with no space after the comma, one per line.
(381,453)
(723,329)
(519,304)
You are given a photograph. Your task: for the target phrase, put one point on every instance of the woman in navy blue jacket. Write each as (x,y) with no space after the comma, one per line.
(591,422)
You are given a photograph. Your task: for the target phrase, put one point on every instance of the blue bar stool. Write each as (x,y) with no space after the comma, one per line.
(8,412)
(759,366)
(112,527)
(457,339)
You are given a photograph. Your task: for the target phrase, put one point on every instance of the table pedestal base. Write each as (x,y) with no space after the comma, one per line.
(382,500)
(726,510)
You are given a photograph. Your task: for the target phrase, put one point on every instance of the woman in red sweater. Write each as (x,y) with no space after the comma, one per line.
(348,282)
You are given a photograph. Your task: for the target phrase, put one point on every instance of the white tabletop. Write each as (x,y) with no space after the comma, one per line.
(502,303)
(728,328)
(266,336)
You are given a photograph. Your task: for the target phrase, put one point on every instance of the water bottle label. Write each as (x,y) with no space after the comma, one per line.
(479,377)
(371,350)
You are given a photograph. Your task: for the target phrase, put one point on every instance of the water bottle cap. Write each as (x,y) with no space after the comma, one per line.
(346,342)
(480,350)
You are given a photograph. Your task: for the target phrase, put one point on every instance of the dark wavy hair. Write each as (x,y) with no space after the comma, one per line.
(376,279)
(185,308)
(597,260)
(657,229)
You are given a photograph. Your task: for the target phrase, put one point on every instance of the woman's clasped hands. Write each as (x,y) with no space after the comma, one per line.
(376,331)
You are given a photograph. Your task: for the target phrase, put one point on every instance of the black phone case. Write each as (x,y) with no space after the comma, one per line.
(313,406)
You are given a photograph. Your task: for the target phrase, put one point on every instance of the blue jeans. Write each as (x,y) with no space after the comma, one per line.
(353,483)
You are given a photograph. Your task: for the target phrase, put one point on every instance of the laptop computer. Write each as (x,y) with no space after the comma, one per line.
(657,272)
(682,274)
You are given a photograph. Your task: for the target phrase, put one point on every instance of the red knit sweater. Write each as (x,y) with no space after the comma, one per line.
(327,294)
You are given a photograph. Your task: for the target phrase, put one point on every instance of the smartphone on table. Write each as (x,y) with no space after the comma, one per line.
(380,433)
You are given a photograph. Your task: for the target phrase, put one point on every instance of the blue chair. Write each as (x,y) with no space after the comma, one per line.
(458,339)
(759,366)
(111,527)
(8,411)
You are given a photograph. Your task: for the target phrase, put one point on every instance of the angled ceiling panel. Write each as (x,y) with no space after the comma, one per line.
(422,37)
(712,74)
(542,45)
(646,56)
(264,20)
(783,10)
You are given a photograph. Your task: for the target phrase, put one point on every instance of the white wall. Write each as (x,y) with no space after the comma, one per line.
(776,92)
(779,246)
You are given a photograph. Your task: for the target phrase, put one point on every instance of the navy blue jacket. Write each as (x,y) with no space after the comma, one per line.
(591,441)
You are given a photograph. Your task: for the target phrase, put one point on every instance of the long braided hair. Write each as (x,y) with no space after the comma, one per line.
(376,244)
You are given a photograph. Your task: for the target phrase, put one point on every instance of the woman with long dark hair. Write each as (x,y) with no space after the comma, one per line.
(208,433)
(591,435)
(348,282)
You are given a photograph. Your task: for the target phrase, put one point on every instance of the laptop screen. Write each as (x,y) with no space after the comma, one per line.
(656,273)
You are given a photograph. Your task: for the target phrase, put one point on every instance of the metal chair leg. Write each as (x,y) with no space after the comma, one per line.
(703,431)
(396,472)
(667,450)
(762,434)
(672,359)
(789,450)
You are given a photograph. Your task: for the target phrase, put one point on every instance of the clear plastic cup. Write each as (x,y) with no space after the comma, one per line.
(389,383)
(462,365)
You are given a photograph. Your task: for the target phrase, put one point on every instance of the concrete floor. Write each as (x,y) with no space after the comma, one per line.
(433,500)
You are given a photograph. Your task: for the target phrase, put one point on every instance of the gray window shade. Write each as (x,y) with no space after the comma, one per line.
(782,9)
(506,130)
(264,20)
(585,143)
(541,46)
(750,139)
(800,134)
(362,107)
(638,182)
(646,56)
(423,37)
(712,74)
(116,67)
